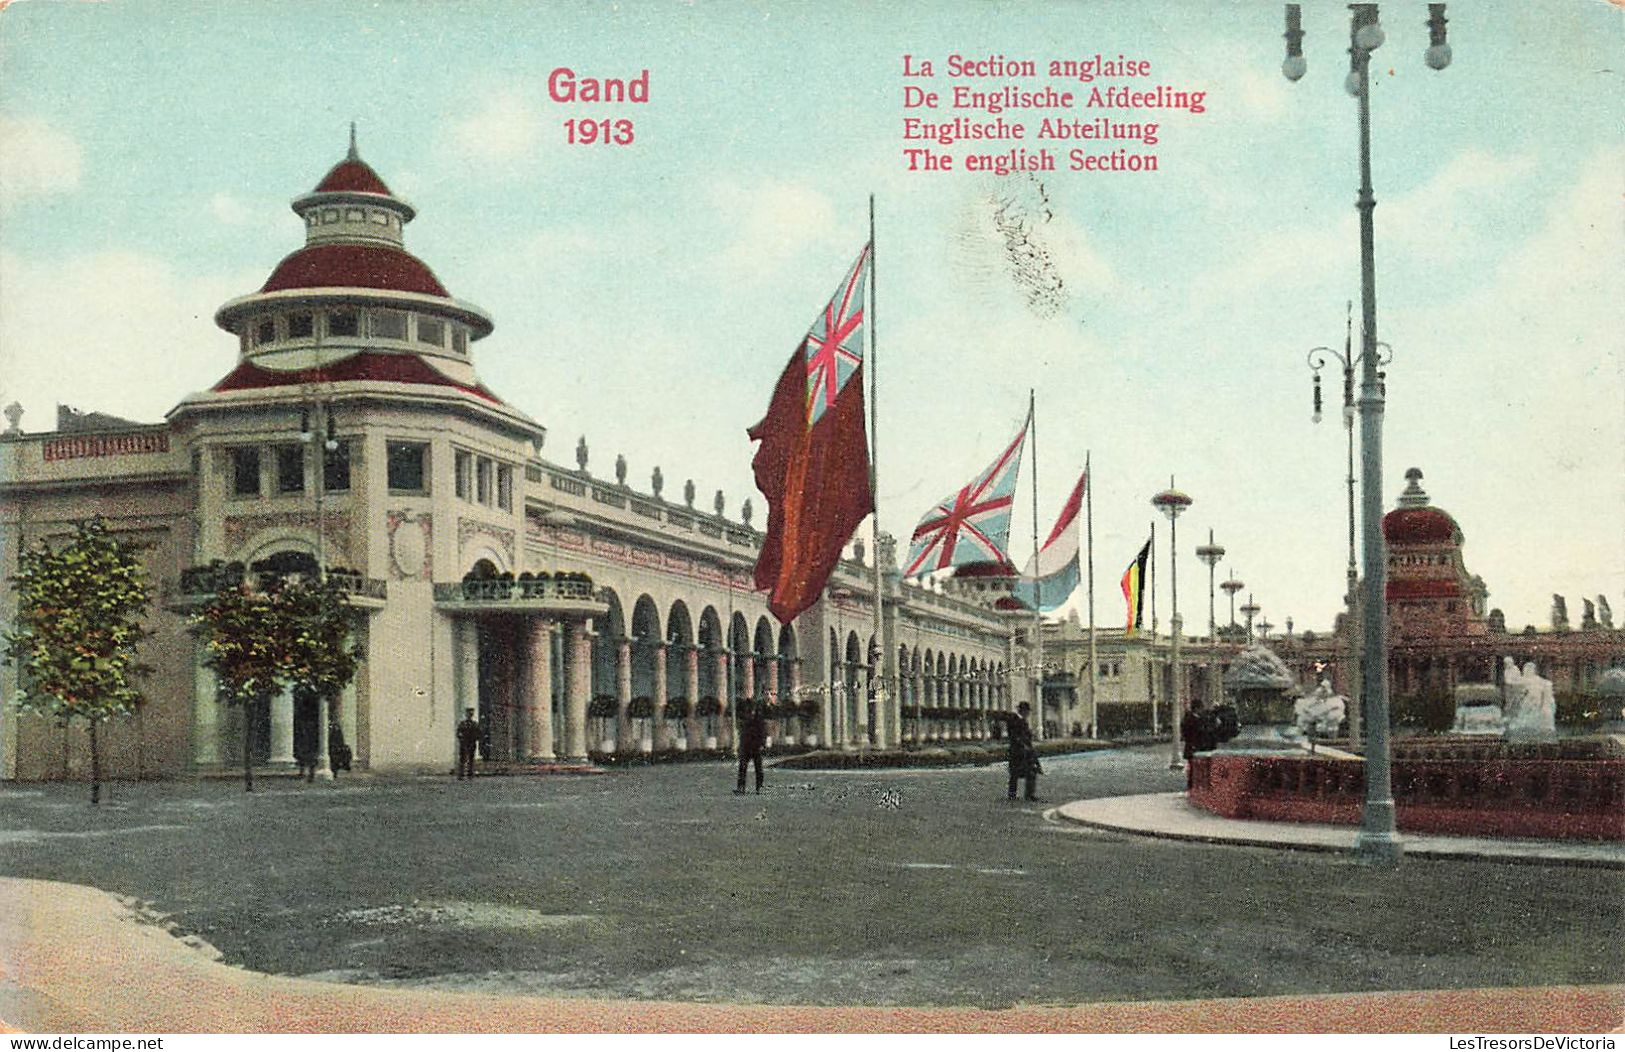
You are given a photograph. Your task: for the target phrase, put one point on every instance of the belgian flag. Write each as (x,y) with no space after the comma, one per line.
(1134,587)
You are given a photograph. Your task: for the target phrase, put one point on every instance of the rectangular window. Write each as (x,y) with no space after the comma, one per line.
(245,472)
(354,215)
(464,471)
(265,331)
(330,215)
(336,469)
(482,480)
(389,324)
(431,331)
(504,487)
(459,339)
(343,323)
(301,326)
(380,218)
(290,469)
(408,466)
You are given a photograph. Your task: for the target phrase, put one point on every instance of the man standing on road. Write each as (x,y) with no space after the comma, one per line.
(752,738)
(468,739)
(1023,757)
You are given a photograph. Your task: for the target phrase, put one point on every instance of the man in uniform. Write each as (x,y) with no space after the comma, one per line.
(468,739)
(752,739)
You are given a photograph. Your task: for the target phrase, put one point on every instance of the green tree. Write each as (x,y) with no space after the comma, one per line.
(321,653)
(80,614)
(245,642)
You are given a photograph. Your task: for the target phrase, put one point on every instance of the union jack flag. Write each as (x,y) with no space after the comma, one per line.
(973,525)
(835,341)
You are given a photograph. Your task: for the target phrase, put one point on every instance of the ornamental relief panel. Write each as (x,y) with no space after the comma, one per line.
(335,525)
(501,536)
(557,539)
(411,545)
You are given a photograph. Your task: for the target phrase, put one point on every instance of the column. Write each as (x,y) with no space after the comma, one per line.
(281,727)
(623,696)
(539,696)
(720,686)
(205,717)
(468,667)
(662,740)
(324,712)
(691,679)
(787,720)
(578,684)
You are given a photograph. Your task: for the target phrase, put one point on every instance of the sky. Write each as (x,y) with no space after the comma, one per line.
(647,296)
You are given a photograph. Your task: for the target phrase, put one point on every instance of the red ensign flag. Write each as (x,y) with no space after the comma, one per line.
(813,462)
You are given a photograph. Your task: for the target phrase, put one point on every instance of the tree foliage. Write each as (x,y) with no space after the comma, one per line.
(295,632)
(81,609)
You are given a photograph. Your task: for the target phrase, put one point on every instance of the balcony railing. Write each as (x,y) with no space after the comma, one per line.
(198,582)
(505,591)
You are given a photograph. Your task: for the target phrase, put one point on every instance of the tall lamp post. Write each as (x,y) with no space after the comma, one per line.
(1231,587)
(1318,359)
(1378,839)
(1171,503)
(321,434)
(1211,553)
(1250,610)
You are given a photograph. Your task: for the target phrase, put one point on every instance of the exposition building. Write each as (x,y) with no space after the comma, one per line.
(577,613)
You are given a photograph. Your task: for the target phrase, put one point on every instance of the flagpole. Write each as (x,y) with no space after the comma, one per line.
(883,723)
(1089,524)
(1038,617)
(1152,652)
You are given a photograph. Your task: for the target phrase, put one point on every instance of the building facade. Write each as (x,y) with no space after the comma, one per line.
(576,612)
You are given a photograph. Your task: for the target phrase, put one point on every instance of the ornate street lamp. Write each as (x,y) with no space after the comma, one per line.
(1249,611)
(1378,840)
(1211,553)
(1231,587)
(1172,503)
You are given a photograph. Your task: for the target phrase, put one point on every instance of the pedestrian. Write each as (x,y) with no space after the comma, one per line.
(1196,732)
(752,737)
(468,738)
(1023,756)
(306,711)
(338,752)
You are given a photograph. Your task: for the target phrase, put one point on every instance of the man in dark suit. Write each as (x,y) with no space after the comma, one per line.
(752,739)
(1023,757)
(468,739)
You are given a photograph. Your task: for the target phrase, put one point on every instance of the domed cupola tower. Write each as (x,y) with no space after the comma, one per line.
(1430,592)
(353,303)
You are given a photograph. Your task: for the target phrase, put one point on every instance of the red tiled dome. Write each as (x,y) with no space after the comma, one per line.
(354,266)
(1425,525)
(373,366)
(352,175)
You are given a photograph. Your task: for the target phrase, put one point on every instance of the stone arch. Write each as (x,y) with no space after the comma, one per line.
(764,659)
(646,641)
(608,629)
(740,685)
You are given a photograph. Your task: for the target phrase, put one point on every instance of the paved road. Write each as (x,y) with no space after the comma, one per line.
(873,888)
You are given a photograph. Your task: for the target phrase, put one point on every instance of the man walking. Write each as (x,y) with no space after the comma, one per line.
(752,738)
(1023,757)
(468,739)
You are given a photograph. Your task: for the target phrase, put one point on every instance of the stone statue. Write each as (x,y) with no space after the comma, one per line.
(14,418)
(858,551)
(620,469)
(1588,615)
(657,481)
(718,503)
(1560,614)
(1535,717)
(1498,621)
(1604,612)
(688,493)
(1319,712)
(581,454)
(746,511)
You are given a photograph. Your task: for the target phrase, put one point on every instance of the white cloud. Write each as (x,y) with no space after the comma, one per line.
(148,329)
(227,209)
(36,160)
(773,223)
(504,130)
